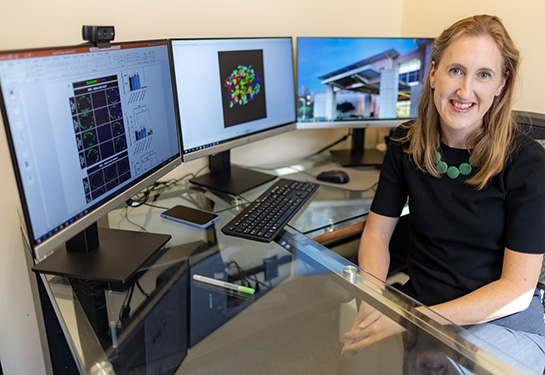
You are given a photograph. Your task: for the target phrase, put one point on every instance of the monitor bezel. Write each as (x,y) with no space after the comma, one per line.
(234,142)
(41,250)
(355,124)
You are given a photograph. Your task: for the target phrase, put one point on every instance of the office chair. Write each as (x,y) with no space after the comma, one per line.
(534,124)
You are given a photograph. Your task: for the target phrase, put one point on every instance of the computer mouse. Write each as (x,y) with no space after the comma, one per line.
(335,176)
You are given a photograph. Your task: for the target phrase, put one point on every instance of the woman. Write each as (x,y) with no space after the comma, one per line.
(476,193)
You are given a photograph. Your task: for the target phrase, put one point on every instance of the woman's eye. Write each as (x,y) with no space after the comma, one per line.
(485,75)
(455,71)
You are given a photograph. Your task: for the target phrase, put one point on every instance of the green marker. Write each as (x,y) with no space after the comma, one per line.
(224,284)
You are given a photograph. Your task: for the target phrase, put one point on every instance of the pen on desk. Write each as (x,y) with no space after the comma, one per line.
(225,284)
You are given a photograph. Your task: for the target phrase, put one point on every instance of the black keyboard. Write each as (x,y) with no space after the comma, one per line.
(265,217)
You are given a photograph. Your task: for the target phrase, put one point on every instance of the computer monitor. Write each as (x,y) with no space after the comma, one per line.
(231,92)
(359,83)
(87,129)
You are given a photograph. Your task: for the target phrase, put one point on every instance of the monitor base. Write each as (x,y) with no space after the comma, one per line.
(120,255)
(239,181)
(348,158)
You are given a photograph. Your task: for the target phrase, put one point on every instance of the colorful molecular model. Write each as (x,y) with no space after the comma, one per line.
(243,85)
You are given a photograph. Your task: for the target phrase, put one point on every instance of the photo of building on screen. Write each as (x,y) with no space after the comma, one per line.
(344,79)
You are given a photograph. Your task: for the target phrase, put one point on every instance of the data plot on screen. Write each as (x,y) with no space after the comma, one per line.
(140,124)
(97,116)
(140,137)
(243,86)
(134,85)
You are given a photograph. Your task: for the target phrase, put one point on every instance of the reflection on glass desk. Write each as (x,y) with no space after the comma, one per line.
(332,206)
(306,298)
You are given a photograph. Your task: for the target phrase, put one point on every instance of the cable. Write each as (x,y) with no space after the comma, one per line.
(138,199)
(156,206)
(126,217)
(157,187)
(125,311)
(344,138)
(303,158)
(202,169)
(141,290)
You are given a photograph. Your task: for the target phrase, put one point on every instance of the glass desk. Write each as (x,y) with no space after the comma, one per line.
(306,298)
(334,206)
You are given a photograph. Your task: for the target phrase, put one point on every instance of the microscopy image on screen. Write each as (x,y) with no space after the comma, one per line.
(100,134)
(243,86)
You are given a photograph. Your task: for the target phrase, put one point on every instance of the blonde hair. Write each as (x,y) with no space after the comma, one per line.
(493,143)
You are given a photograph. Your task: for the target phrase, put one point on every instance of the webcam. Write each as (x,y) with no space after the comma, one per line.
(99,35)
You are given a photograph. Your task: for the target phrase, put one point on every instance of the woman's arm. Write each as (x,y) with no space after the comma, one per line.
(373,255)
(511,293)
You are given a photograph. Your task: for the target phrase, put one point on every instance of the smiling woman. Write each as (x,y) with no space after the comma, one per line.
(476,242)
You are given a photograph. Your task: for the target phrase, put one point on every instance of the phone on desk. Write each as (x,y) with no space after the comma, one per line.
(191,216)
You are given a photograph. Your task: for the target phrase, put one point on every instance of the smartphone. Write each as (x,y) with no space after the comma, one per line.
(191,216)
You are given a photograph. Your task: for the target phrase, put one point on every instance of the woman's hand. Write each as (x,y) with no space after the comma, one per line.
(370,326)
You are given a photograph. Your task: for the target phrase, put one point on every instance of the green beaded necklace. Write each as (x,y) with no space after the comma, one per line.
(452,172)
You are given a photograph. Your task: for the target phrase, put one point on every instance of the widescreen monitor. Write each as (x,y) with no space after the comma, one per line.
(359,83)
(87,129)
(231,92)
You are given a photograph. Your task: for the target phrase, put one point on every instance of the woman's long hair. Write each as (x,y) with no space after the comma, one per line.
(493,143)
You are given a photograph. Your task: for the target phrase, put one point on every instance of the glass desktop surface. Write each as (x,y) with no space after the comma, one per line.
(330,207)
(333,206)
(305,300)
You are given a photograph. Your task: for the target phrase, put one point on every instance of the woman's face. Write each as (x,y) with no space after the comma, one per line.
(465,83)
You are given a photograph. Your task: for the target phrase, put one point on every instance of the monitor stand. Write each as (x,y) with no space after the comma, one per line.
(358,155)
(225,178)
(109,255)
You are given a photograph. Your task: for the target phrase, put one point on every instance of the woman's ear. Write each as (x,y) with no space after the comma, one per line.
(503,82)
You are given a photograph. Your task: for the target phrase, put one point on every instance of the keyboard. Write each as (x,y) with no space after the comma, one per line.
(265,217)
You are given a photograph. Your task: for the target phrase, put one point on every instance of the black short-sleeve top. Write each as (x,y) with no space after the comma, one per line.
(458,233)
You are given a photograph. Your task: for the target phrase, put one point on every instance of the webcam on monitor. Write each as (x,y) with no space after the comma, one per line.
(99,35)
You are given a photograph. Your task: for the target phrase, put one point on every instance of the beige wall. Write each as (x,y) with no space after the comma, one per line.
(523,19)
(31,23)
